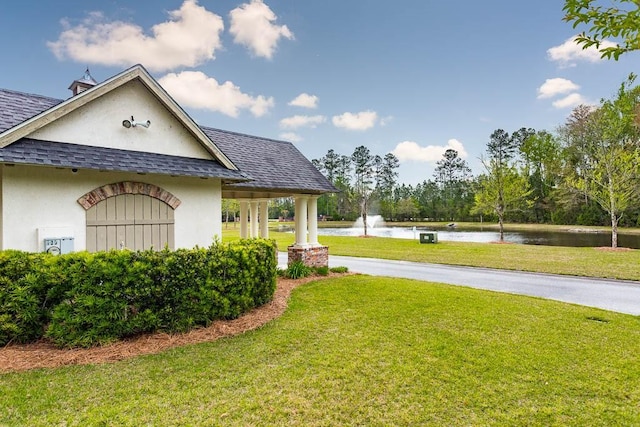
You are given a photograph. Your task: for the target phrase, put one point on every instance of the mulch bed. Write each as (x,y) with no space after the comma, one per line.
(42,354)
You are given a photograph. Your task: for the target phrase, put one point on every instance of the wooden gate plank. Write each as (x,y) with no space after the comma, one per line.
(139,221)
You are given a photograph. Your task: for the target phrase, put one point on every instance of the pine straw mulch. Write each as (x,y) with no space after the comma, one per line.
(43,354)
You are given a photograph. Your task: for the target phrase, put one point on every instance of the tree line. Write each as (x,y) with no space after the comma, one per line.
(369,184)
(585,173)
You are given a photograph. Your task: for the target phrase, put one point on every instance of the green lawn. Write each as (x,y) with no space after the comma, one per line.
(545,259)
(360,350)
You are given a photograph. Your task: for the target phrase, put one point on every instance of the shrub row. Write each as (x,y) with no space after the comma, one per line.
(83,299)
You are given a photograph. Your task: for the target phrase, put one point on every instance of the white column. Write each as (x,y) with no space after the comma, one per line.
(253,215)
(244,212)
(264,219)
(313,221)
(301,221)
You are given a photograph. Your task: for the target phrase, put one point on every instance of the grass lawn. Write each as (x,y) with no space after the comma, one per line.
(361,350)
(623,264)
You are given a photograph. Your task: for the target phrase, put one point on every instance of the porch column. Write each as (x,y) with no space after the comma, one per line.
(310,252)
(244,212)
(264,219)
(253,214)
(313,221)
(301,221)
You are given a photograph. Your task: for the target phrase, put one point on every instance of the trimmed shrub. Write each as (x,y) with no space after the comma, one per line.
(84,299)
(98,307)
(24,296)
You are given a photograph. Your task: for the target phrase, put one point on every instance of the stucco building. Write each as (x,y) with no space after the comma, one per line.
(121,164)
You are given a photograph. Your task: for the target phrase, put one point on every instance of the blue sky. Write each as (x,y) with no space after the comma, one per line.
(414,78)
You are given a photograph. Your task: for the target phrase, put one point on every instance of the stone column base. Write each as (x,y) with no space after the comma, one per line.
(317,256)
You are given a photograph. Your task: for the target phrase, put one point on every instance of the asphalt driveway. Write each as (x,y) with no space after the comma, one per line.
(615,295)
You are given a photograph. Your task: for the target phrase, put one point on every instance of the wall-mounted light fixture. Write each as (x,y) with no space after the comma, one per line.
(132,123)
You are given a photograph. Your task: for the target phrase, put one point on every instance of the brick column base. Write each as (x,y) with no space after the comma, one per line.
(317,256)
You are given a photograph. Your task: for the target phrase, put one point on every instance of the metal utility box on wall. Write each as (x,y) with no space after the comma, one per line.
(429,237)
(58,245)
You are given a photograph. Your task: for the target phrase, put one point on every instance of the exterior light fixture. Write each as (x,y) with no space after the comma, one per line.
(132,123)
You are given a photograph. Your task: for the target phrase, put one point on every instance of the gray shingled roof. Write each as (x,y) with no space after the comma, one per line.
(16,107)
(45,153)
(268,165)
(272,164)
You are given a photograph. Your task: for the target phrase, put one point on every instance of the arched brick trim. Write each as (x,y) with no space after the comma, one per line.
(127,187)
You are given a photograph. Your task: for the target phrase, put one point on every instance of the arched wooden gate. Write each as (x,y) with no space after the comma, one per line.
(129,215)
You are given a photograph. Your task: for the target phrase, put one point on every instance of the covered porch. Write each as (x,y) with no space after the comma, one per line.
(275,169)
(254,223)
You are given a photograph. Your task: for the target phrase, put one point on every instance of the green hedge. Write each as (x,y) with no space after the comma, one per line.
(83,299)
(23,296)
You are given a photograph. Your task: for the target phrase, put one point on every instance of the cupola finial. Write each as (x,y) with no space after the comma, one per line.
(83,83)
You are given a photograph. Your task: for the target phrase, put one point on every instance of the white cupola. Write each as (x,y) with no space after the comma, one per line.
(82,84)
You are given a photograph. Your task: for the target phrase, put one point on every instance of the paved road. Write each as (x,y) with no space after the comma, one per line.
(615,295)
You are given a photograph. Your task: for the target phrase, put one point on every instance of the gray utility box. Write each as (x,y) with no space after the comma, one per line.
(58,245)
(429,237)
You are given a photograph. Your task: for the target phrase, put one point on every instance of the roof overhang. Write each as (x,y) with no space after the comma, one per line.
(242,191)
(62,155)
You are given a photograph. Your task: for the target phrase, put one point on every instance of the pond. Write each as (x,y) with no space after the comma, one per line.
(575,238)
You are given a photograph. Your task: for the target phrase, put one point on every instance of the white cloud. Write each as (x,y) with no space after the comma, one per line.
(411,151)
(557,86)
(252,25)
(190,37)
(295,122)
(291,137)
(569,52)
(305,100)
(195,89)
(570,101)
(356,121)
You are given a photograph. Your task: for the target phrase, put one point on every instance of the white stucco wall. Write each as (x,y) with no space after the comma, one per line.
(99,124)
(34,198)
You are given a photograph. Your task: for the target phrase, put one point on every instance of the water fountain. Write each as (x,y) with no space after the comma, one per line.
(373,221)
(376,226)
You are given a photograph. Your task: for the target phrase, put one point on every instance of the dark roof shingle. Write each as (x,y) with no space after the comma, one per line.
(45,153)
(16,107)
(272,164)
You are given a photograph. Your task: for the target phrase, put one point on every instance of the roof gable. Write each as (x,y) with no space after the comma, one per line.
(99,124)
(52,111)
